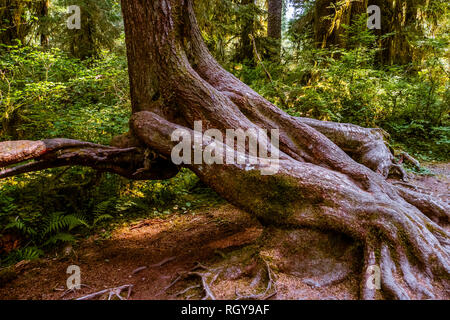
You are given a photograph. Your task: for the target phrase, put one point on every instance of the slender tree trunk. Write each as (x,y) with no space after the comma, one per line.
(318,185)
(247,25)
(274,26)
(43,14)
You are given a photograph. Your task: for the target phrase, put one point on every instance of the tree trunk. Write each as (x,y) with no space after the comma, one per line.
(175,82)
(329,18)
(274,26)
(400,19)
(43,14)
(13,24)
(247,25)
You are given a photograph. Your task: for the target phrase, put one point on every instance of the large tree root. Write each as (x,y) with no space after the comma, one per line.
(366,146)
(410,248)
(128,162)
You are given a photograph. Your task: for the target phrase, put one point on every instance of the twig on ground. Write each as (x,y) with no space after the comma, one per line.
(187,289)
(112,292)
(73,290)
(163,262)
(137,270)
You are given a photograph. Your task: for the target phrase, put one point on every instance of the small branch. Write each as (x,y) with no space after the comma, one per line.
(73,290)
(137,270)
(112,292)
(163,262)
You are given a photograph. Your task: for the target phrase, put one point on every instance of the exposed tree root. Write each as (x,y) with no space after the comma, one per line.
(205,284)
(379,212)
(434,209)
(132,163)
(271,285)
(111,293)
(187,290)
(163,262)
(73,290)
(405,157)
(208,277)
(137,270)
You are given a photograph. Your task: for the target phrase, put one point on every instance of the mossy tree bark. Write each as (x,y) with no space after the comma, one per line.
(17,22)
(14,25)
(275,12)
(175,81)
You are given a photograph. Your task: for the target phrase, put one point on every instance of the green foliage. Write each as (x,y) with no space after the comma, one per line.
(101,27)
(48,209)
(29,253)
(46,94)
(222,22)
(411,102)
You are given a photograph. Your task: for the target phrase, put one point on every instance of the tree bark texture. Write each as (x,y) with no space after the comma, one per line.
(275,12)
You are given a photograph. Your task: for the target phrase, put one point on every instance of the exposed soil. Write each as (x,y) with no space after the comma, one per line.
(234,250)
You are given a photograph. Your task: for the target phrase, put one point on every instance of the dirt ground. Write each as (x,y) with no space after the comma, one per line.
(222,246)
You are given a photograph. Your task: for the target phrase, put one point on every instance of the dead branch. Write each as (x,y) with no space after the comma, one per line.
(111,292)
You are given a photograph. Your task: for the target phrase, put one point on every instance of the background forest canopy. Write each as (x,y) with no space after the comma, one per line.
(312,58)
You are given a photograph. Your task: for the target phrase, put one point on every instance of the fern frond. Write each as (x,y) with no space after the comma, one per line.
(60,237)
(103,217)
(20,226)
(58,222)
(29,253)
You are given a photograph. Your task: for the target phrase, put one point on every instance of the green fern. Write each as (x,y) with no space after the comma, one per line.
(29,253)
(57,222)
(103,207)
(60,237)
(21,226)
(100,218)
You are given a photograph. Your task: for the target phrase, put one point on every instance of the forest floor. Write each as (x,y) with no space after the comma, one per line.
(237,256)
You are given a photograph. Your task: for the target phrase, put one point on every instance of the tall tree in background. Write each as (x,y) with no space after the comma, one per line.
(402,22)
(43,25)
(19,19)
(175,81)
(16,20)
(100,26)
(247,25)
(274,25)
